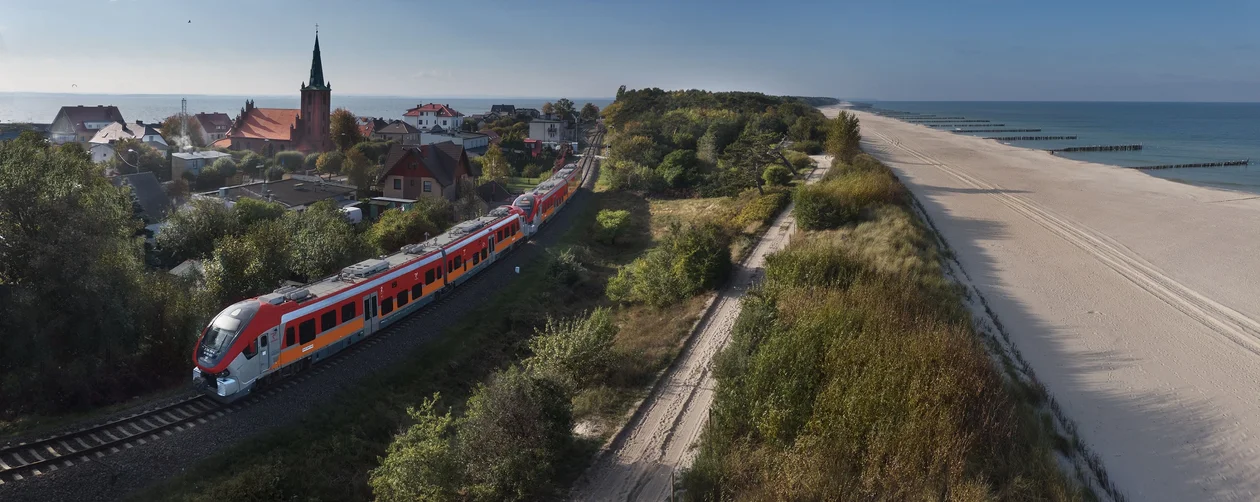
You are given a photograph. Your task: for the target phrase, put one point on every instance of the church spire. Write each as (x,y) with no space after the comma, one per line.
(317,68)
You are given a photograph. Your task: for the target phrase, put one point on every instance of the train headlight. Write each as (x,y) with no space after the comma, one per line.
(196,373)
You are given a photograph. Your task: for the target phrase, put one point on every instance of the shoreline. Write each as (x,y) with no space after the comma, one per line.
(1127,293)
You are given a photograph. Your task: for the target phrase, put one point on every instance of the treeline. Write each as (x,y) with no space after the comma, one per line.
(854,370)
(86,323)
(711,144)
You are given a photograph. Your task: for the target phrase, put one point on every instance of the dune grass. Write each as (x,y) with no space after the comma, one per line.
(854,373)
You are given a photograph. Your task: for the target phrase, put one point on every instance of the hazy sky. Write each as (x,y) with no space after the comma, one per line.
(896,50)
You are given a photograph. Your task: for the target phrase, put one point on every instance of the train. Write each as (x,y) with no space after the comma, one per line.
(255,341)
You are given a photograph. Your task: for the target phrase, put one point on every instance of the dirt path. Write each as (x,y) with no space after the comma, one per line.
(644,456)
(1132,297)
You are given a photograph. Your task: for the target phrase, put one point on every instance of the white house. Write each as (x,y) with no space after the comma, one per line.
(550,130)
(468,140)
(193,162)
(425,117)
(80,123)
(101,146)
(214,126)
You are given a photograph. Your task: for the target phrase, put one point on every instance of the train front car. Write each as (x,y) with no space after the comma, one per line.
(234,349)
(527,204)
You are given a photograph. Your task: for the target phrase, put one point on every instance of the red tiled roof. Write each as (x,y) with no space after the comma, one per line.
(222,143)
(266,123)
(442,111)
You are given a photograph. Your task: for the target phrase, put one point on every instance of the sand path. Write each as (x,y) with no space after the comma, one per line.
(1135,299)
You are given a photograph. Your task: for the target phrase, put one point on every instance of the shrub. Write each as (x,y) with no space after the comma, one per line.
(762,210)
(290,160)
(311,162)
(777,175)
(397,228)
(533,170)
(688,260)
(841,198)
(421,463)
(575,352)
(610,224)
(810,147)
(223,168)
(799,161)
(565,268)
(246,212)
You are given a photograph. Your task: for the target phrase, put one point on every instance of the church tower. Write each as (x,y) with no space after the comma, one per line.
(316,108)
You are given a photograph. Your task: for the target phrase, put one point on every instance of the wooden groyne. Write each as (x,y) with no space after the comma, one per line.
(1028,138)
(996,130)
(1200,164)
(959,126)
(943,120)
(1099,148)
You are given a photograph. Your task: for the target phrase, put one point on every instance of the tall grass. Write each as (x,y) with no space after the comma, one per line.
(854,373)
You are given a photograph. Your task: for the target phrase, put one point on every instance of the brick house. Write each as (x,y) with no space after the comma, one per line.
(415,171)
(270,130)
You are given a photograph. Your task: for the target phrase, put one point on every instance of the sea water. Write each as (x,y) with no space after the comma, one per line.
(1170,133)
(42,108)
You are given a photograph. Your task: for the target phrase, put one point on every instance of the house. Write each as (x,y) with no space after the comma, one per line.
(469,140)
(415,171)
(532,113)
(295,192)
(214,126)
(369,125)
(193,162)
(101,146)
(494,193)
(80,123)
(270,130)
(508,110)
(399,131)
(550,130)
(425,117)
(492,136)
(149,194)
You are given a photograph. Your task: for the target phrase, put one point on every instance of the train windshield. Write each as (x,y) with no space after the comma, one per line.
(223,330)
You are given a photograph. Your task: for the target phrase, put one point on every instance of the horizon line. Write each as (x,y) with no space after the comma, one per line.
(291,96)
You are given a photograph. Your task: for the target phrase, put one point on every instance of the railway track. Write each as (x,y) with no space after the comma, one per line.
(40,456)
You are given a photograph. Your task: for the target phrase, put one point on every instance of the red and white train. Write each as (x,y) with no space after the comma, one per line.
(279,333)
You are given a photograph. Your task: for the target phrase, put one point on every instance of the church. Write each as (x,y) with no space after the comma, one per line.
(271,130)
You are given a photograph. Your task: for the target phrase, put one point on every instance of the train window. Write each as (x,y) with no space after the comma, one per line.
(387,306)
(347,312)
(289,337)
(485,253)
(328,320)
(458,262)
(476,258)
(416,292)
(306,331)
(251,350)
(429,276)
(402,298)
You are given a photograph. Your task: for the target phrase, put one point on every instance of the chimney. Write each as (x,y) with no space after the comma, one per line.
(223,193)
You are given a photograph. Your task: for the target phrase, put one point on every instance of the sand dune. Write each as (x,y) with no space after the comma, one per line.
(1135,299)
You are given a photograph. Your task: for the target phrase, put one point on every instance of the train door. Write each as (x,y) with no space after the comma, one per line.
(370,321)
(269,345)
(490,248)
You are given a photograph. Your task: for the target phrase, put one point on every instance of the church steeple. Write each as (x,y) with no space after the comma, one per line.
(317,70)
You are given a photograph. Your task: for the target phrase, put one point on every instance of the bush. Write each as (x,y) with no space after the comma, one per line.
(246,212)
(762,210)
(810,147)
(841,198)
(688,260)
(575,352)
(397,228)
(223,168)
(534,170)
(421,463)
(311,162)
(610,224)
(777,175)
(290,160)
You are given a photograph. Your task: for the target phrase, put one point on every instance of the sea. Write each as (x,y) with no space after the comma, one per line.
(1170,133)
(43,107)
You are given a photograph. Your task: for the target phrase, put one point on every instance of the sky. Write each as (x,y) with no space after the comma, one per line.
(1067,50)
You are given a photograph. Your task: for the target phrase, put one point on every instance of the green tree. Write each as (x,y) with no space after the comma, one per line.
(344,129)
(290,160)
(548,108)
(248,265)
(132,155)
(421,463)
(589,112)
(311,162)
(844,137)
(248,212)
(493,165)
(192,231)
(360,171)
(174,132)
(678,169)
(610,224)
(747,158)
(330,163)
(575,352)
(564,108)
(322,241)
(397,228)
(777,175)
(227,169)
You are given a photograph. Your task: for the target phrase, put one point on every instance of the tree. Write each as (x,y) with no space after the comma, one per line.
(275,173)
(290,160)
(421,463)
(245,266)
(589,112)
(192,231)
(564,108)
(330,163)
(132,155)
(344,129)
(397,228)
(224,167)
(322,240)
(177,135)
(360,171)
(777,175)
(177,189)
(844,137)
(610,224)
(548,108)
(678,168)
(575,352)
(311,162)
(747,157)
(247,212)
(493,165)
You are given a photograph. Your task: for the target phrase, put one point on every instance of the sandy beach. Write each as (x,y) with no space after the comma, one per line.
(1134,298)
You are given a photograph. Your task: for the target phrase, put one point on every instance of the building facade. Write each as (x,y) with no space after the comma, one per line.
(425,117)
(78,124)
(415,171)
(214,126)
(271,130)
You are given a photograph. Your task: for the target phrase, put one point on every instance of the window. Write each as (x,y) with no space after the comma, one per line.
(428,186)
(476,258)
(459,262)
(327,321)
(387,306)
(251,350)
(485,253)
(397,183)
(429,276)
(306,331)
(402,298)
(347,312)
(413,182)
(416,292)
(289,337)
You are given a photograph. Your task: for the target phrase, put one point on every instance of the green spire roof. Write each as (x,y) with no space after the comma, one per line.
(317,70)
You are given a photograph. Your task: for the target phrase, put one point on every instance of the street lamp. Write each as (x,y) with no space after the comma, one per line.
(133,166)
